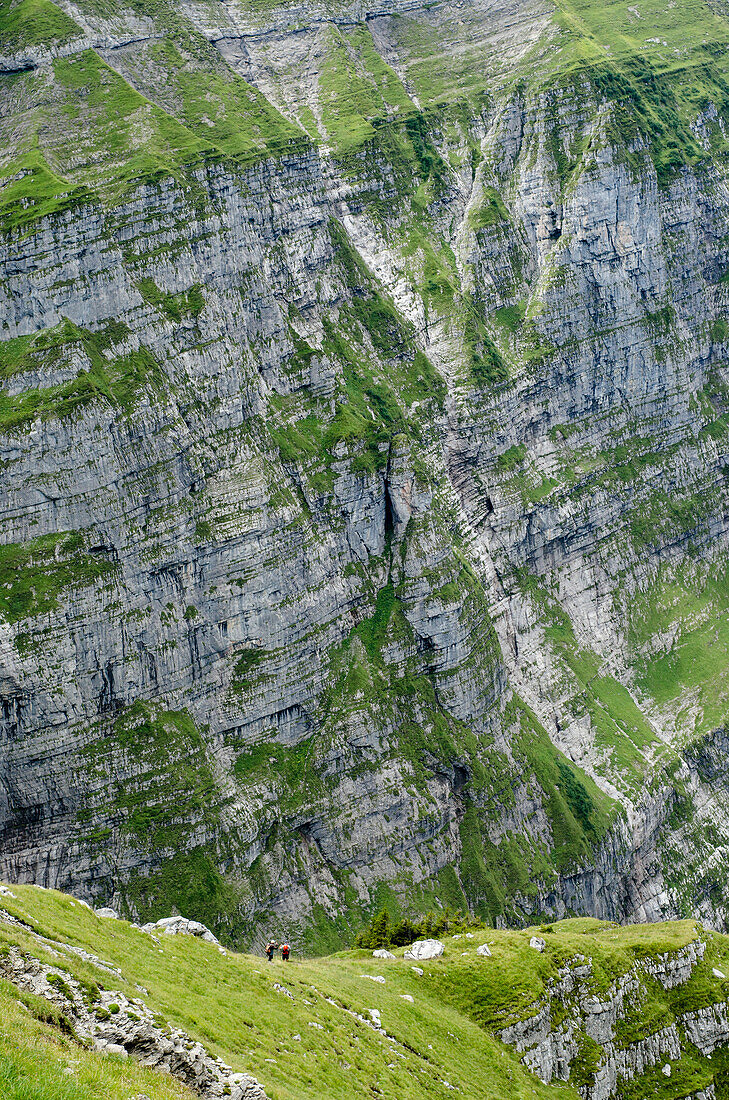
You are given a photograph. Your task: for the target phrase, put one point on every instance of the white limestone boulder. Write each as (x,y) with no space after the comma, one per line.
(425,949)
(176,926)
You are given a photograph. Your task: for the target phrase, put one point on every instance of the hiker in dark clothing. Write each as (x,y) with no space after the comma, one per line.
(285,952)
(270,950)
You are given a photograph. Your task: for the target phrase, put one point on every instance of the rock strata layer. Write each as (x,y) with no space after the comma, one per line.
(363,510)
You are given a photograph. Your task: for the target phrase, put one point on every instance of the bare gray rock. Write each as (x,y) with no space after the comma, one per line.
(115,1025)
(425,949)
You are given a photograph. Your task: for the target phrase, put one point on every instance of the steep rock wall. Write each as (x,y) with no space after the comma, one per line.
(364,519)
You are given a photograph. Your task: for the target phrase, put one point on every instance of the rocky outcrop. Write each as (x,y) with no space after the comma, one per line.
(115,1025)
(176,926)
(591,1039)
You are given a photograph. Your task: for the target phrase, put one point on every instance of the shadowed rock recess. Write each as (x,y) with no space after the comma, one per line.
(363,431)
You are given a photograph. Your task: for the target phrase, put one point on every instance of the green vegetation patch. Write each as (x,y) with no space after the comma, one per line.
(579,813)
(39,1062)
(98,375)
(690,606)
(35,574)
(356,86)
(34,23)
(489,212)
(189,303)
(239,121)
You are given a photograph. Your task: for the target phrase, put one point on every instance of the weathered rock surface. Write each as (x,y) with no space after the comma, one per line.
(365,484)
(115,1025)
(176,926)
(571,1016)
(425,949)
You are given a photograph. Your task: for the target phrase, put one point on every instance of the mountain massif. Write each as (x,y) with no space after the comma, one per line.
(363,436)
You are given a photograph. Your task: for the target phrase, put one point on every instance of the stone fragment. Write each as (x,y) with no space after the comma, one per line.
(382,953)
(425,949)
(484,950)
(407,997)
(417,970)
(105,911)
(111,1048)
(666,1071)
(717,973)
(537,943)
(375,1017)
(374,978)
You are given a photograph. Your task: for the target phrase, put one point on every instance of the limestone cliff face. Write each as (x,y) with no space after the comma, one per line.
(595,1040)
(364,497)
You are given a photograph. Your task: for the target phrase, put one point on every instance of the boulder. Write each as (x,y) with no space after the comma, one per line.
(425,949)
(175,926)
(106,912)
(537,943)
(484,950)
(381,953)
(666,1071)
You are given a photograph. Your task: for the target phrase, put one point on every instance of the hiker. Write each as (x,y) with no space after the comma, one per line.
(285,952)
(271,947)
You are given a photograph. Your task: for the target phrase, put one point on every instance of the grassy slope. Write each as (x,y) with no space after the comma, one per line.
(39,1062)
(84,131)
(229,1003)
(307,1045)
